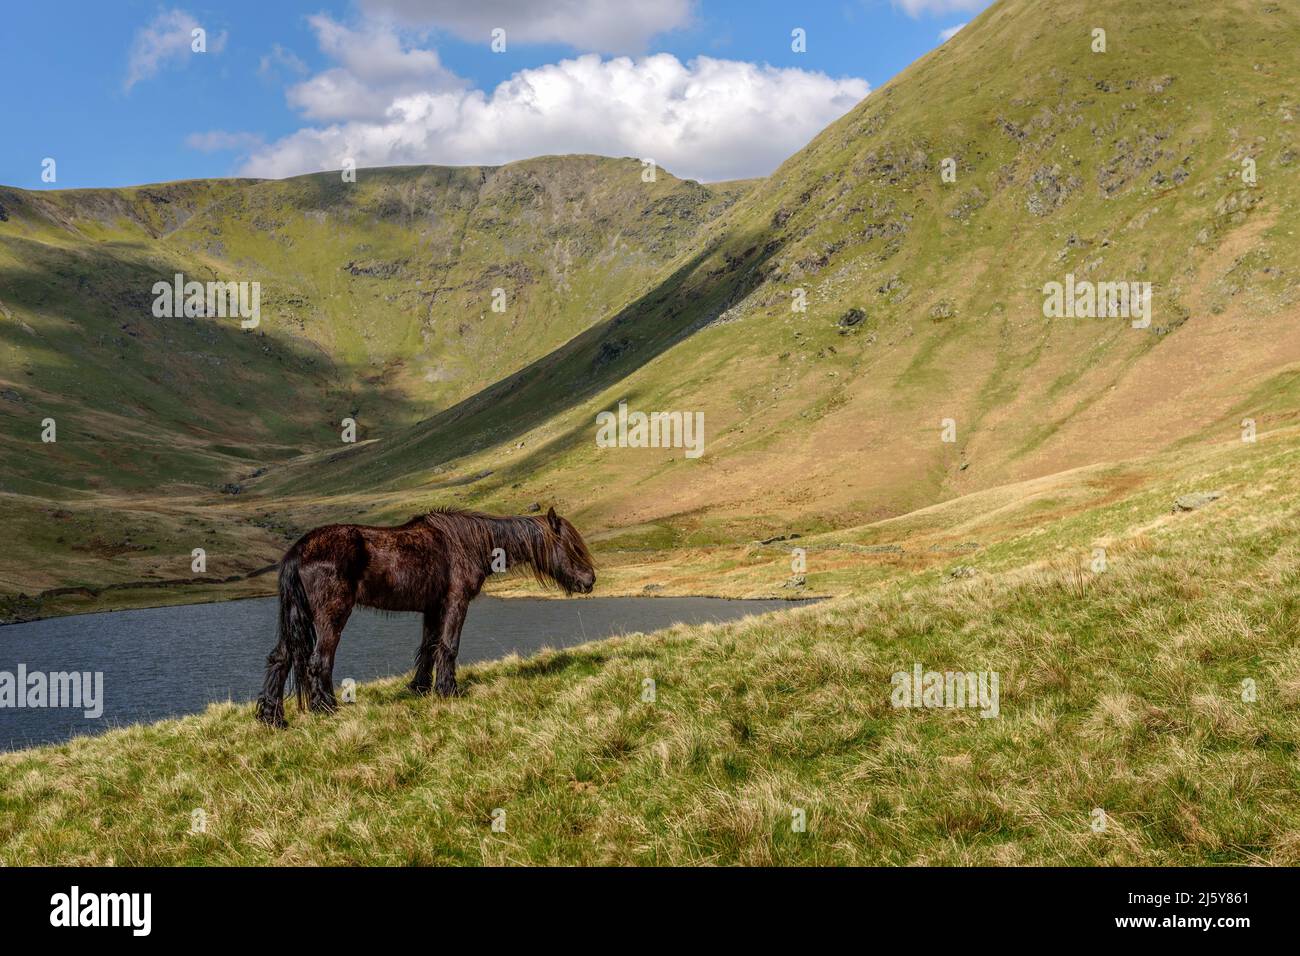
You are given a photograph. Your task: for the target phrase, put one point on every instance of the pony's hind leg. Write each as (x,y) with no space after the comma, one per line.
(270,706)
(330,622)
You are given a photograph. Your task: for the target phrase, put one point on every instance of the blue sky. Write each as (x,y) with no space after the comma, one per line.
(710,89)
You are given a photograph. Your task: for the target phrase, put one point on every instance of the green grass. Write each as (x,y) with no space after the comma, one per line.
(677,296)
(1119,691)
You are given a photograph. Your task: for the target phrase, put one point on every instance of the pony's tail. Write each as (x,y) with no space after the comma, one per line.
(297,628)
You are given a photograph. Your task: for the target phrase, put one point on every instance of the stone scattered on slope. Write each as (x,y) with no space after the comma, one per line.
(1197,499)
(942,310)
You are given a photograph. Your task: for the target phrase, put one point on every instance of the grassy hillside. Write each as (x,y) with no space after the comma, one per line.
(924,304)
(376,305)
(1112,166)
(376,299)
(1120,691)
(1109,166)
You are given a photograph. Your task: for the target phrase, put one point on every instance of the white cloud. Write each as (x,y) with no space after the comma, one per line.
(948,34)
(915,8)
(708,119)
(271,63)
(375,70)
(218,140)
(168,38)
(603,26)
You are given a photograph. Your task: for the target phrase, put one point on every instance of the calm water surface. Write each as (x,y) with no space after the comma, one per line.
(163,662)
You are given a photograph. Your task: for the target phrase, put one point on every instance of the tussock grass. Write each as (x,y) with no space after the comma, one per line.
(1120,691)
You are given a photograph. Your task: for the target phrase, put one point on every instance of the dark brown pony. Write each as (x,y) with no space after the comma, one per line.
(435,563)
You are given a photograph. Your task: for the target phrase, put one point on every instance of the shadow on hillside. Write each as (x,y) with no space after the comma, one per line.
(140,400)
(610,351)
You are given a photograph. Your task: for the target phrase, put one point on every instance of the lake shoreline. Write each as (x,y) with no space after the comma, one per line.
(158,663)
(150,596)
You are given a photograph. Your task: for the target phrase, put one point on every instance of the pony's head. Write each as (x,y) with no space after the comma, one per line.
(566,559)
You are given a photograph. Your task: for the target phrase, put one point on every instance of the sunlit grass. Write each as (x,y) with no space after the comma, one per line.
(1120,691)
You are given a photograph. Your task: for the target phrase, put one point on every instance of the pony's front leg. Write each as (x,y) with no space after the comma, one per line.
(449,645)
(422,682)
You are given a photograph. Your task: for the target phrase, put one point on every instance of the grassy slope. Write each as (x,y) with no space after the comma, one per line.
(1119,690)
(376,304)
(1112,166)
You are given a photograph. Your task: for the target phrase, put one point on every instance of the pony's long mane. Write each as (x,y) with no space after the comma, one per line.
(527,539)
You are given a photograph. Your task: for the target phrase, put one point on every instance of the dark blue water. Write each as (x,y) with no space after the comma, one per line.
(168,661)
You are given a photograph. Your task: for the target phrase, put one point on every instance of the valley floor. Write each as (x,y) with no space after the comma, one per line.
(1148,711)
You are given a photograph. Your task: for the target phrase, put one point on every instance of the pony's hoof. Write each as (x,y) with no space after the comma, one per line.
(420,690)
(272,714)
(452,691)
(323,703)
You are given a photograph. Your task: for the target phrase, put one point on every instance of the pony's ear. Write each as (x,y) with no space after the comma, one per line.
(554,520)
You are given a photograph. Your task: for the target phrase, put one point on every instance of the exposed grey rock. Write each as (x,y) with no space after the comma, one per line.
(1050,187)
(894,288)
(1197,499)
(941,310)
(970,201)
